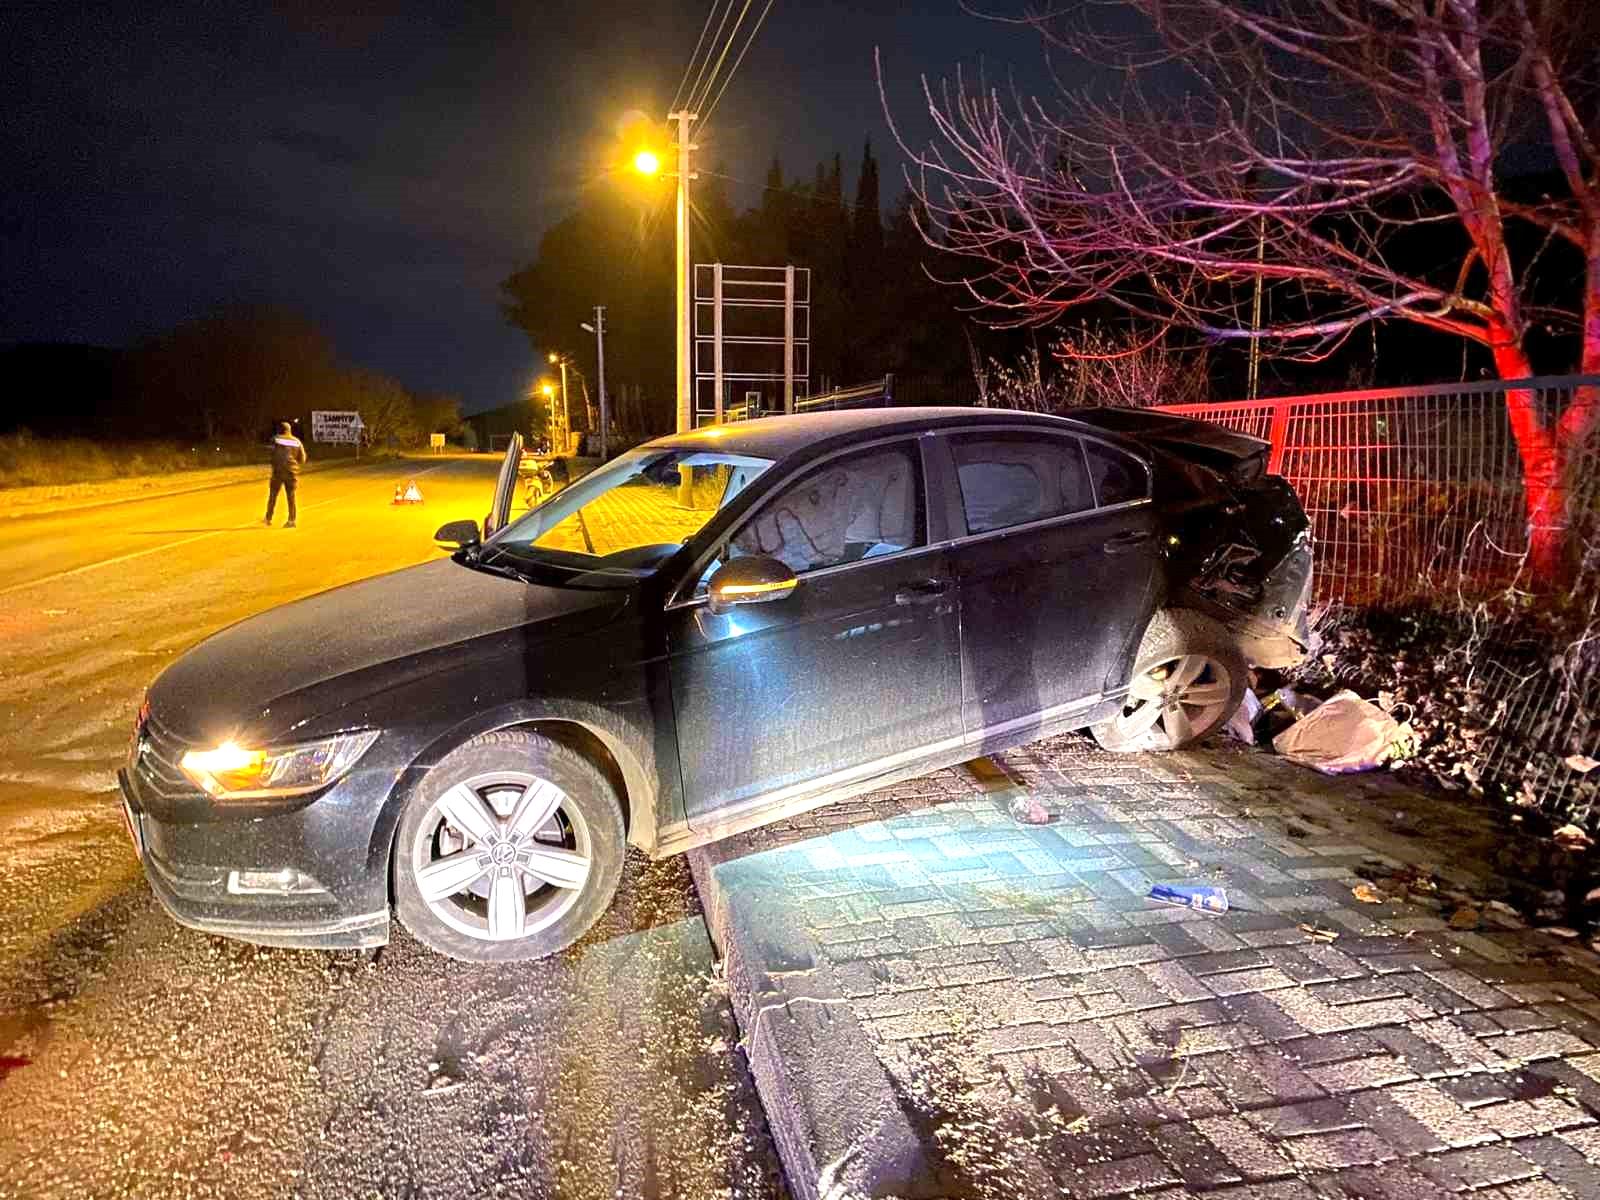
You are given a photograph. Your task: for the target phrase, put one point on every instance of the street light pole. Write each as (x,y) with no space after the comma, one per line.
(599,331)
(565,421)
(685,312)
(566,410)
(548,391)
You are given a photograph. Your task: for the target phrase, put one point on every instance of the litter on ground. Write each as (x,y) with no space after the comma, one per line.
(1242,725)
(1199,897)
(1028,811)
(1342,735)
(1573,837)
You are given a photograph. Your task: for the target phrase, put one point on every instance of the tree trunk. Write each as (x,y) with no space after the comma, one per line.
(1542,456)
(1548,450)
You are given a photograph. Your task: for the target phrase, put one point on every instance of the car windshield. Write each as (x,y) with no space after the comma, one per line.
(621,522)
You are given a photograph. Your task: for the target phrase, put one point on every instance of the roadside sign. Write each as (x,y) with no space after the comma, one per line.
(336,427)
(436,440)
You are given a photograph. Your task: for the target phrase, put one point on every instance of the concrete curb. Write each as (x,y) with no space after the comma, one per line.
(832,1109)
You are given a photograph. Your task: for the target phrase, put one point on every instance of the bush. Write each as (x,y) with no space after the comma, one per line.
(26,461)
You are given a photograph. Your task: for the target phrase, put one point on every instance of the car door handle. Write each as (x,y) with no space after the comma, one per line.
(920,591)
(1124,542)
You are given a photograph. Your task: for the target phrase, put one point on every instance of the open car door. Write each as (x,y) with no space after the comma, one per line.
(505,488)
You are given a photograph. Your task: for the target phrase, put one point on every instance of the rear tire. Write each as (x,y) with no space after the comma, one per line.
(1188,678)
(510,848)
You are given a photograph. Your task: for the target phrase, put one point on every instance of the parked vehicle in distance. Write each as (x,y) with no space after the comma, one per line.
(538,483)
(711,632)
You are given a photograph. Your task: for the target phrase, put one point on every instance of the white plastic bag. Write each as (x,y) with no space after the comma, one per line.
(1343,734)
(1241,725)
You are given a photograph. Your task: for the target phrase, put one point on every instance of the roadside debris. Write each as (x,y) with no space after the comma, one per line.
(1573,837)
(1342,735)
(1242,725)
(1291,701)
(1201,898)
(1319,933)
(1581,763)
(446,1079)
(1028,811)
(12,1062)
(1368,894)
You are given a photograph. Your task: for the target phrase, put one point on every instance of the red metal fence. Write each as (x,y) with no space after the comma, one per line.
(1409,490)
(1417,494)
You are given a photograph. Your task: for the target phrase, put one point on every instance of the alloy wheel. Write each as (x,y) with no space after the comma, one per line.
(502,855)
(1175,701)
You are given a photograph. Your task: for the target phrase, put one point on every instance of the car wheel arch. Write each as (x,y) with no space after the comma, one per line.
(606,748)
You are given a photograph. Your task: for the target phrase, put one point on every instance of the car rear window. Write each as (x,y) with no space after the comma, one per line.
(1010,479)
(1118,478)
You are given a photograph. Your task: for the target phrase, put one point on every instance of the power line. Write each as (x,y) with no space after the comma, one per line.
(689,66)
(735,69)
(711,80)
(710,48)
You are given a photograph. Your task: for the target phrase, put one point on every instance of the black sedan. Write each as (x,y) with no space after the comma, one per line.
(713,631)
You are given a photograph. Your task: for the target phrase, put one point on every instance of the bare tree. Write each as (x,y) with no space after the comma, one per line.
(1129,369)
(1307,144)
(388,413)
(1094,365)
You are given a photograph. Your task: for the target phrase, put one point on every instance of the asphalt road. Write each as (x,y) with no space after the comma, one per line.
(141,1059)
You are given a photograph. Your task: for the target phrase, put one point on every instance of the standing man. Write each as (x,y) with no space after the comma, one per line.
(287,455)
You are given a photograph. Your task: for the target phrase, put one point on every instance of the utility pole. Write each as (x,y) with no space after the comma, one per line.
(684,273)
(562,420)
(566,410)
(600,358)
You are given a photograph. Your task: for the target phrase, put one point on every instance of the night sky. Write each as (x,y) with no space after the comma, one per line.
(382,169)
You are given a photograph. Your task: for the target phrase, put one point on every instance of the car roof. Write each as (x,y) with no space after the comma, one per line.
(778,437)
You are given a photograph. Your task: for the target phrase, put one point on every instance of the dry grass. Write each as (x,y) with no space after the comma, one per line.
(28,461)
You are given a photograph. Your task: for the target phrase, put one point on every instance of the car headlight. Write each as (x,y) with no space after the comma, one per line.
(234,772)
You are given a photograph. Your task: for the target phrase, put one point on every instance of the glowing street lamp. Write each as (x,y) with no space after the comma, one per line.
(560,360)
(648,163)
(547,389)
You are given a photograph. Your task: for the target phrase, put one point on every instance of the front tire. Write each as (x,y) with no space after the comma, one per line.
(510,848)
(1188,678)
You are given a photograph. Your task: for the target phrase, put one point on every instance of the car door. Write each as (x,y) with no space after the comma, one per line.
(505,486)
(1056,570)
(859,667)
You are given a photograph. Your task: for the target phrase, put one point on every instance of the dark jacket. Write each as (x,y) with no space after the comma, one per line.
(287,455)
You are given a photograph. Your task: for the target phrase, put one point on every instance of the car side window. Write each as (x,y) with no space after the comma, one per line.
(851,508)
(1010,479)
(1118,478)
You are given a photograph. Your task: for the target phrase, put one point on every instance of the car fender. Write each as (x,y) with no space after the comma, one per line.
(632,747)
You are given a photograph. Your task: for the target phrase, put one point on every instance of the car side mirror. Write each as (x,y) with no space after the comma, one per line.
(462,533)
(753,580)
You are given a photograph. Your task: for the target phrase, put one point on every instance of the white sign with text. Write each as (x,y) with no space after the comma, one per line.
(336,427)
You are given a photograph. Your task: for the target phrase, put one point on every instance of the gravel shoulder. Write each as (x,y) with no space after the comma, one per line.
(141,1059)
(48,499)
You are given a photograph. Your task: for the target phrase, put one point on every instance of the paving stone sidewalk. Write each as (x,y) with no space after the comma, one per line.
(938,1001)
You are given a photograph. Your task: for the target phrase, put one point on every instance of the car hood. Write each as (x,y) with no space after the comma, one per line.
(233,678)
